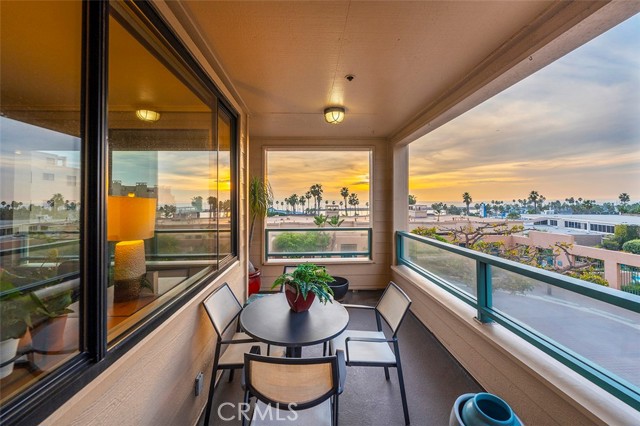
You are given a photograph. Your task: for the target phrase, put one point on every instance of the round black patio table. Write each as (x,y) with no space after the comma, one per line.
(270,320)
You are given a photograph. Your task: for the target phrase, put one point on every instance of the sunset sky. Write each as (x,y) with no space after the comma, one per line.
(293,172)
(571,129)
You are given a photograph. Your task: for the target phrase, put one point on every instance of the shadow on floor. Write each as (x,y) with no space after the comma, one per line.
(433,379)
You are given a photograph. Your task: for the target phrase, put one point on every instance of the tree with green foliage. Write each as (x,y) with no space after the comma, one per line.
(297,242)
(412,200)
(56,202)
(622,234)
(430,233)
(438,208)
(632,246)
(196,202)
(168,210)
(454,210)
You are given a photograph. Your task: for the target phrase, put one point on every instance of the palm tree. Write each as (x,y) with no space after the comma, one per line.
(533,197)
(302,201)
(308,196)
(213,202)
(412,199)
(624,198)
(293,200)
(345,193)
(316,192)
(466,198)
(588,204)
(353,201)
(55,202)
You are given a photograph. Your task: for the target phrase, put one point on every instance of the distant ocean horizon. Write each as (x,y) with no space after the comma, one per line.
(461,204)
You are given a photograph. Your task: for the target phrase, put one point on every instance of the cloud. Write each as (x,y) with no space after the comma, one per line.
(571,128)
(293,172)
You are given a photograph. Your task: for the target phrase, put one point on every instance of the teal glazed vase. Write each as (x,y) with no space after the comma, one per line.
(486,409)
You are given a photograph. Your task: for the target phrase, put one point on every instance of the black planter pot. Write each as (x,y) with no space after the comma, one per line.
(339,287)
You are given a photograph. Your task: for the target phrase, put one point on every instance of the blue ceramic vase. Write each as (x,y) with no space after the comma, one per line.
(486,409)
(482,409)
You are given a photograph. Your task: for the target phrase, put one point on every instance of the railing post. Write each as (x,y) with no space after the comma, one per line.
(483,280)
(399,248)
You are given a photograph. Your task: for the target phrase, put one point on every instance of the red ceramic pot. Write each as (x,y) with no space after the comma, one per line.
(254,282)
(296,301)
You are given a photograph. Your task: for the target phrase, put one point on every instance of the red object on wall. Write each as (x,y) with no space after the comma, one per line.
(296,301)
(254,282)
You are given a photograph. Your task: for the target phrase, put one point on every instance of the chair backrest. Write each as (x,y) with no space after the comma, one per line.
(302,382)
(223,307)
(393,305)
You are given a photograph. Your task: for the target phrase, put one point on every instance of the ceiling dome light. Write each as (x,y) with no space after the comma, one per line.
(334,115)
(148,115)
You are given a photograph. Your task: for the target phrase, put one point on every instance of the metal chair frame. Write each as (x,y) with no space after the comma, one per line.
(393,340)
(338,371)
(220,331)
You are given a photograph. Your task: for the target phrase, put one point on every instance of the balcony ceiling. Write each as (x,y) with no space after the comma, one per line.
(288,60)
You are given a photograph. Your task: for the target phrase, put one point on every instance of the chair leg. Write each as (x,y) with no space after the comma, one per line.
(231,371)
(246,402)
(212,386)
(386,373)
(324,349)
(403,394)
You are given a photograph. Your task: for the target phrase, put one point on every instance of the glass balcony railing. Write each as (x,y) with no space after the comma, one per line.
(318,243)
(592,329)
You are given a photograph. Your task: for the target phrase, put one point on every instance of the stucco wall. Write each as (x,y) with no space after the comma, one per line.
(153,383)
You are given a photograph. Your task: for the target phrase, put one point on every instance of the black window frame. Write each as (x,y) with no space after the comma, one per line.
(42,398)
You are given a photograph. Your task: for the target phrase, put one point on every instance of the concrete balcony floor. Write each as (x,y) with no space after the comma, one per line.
(433,379)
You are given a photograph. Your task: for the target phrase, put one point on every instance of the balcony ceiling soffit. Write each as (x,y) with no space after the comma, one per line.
(287,60)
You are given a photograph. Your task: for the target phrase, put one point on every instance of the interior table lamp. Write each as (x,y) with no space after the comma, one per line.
(130,220)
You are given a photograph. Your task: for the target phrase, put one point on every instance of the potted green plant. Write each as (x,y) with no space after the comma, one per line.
(260,198)
(303,284)
(15,319)
(49,319)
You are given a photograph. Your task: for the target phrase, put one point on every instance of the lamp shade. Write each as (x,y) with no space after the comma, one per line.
(130,218)
(334,115)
